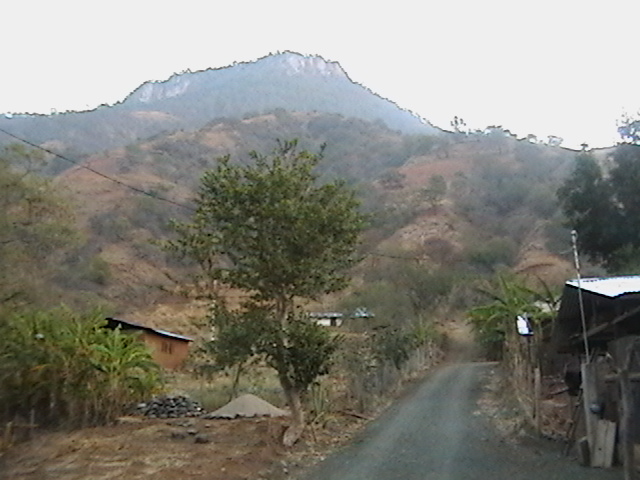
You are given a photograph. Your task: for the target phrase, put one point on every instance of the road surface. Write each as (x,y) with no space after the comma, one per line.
(437,433)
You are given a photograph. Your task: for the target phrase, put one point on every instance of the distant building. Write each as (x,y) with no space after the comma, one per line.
(362,312)
(327,319)
(169,350)
(336,319)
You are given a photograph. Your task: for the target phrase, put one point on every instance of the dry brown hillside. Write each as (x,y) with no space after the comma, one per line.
(489,184)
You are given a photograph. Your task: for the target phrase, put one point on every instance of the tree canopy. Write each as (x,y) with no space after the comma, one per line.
(268,227)
(602,205)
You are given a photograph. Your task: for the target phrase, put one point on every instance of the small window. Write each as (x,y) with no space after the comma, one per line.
(166,347)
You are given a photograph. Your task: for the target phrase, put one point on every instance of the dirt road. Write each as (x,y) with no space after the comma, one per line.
(437,433)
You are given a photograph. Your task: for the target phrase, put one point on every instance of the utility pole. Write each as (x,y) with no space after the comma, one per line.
(576,259)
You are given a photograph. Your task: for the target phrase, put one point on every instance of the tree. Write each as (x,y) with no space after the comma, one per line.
(629,130)
(507,297)
(459,125)
(554,141)
(33,226)
(267,227)
(603,206)
(234,342)
(435,191)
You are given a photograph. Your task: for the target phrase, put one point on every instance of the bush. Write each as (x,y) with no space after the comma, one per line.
(493,253)
(394,345)
(98,271)
(69,370)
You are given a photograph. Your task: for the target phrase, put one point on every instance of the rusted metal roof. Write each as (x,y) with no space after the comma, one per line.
(609,286)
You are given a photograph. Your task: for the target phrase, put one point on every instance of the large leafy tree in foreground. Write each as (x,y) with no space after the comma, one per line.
(603,206)
(268,227)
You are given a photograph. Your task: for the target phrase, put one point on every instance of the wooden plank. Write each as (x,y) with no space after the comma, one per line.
(610,443)
(602,452)
(614,377)
(578,337)
(582,446)
(626,441)
(589,396)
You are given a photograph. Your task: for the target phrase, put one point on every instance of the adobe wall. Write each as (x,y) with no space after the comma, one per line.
(168,352)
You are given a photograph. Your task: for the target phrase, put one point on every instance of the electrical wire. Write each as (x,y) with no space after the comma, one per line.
(99,173)
(153,195)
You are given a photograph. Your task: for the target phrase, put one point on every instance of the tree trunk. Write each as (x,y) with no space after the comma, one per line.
(236,381)
(295,429)
(292,394)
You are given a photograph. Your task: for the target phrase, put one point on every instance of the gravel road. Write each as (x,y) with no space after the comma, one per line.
(437,433)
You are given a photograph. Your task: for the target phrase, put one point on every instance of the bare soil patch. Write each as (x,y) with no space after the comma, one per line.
(151,449)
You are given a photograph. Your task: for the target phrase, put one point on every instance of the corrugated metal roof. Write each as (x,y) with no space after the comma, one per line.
(326,315)
(609,286)
(164,333)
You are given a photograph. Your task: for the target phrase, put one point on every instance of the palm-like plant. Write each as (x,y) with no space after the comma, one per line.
(509,297)
(67,369)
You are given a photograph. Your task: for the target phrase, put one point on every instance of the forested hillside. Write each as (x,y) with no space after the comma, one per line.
(450,207)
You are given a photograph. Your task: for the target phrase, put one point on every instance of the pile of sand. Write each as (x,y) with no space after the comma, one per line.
(247,406)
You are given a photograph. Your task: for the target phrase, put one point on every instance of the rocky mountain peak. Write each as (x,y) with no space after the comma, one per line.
(287,63)
(173,87)
(296,64)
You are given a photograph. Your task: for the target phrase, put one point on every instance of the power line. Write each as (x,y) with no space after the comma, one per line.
(153,195)
(99,173)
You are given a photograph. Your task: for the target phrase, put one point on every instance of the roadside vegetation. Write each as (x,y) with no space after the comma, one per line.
(58,367)
(61,369)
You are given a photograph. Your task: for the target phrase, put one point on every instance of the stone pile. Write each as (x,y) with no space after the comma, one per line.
(170,407)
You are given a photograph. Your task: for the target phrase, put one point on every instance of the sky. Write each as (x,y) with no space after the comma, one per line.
(565,68)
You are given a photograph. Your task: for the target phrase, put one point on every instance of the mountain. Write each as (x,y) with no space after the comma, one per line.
(190,100)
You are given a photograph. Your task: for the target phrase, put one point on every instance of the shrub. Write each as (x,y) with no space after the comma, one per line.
(69,370)
(489,255)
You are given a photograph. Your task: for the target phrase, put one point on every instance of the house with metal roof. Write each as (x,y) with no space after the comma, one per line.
(327,319)
(169,350)
(611,310)
(602,315)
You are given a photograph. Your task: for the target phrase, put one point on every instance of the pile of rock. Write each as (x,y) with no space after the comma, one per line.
(170,407)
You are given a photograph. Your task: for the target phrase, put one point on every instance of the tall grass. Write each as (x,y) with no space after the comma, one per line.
(64,369)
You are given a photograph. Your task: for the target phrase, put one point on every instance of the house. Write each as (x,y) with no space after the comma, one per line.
(327,319)
(611,311)
(336,319)
(362,312)
(602,316)
(169,350)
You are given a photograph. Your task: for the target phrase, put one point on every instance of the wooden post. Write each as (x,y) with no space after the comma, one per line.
(589,396)
(625,425)
(626,415)
(537,393)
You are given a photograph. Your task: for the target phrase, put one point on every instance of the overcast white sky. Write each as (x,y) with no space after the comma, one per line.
(563,67)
